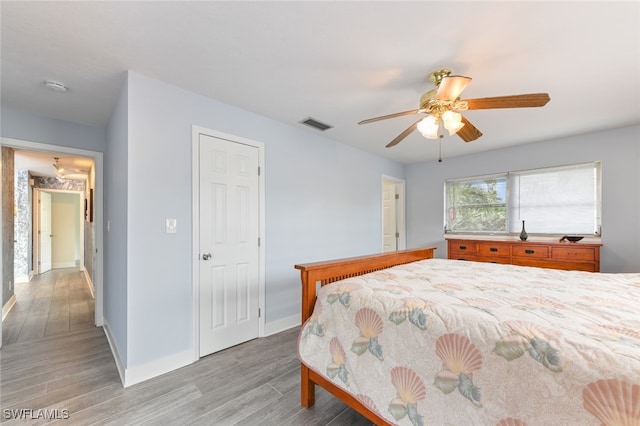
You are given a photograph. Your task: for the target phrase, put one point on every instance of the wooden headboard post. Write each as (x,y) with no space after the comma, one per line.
(335,270)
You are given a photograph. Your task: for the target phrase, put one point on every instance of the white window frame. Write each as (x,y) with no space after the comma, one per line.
(511,227)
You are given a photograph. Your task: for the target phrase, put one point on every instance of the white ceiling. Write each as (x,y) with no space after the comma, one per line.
(338,62)
(41,164)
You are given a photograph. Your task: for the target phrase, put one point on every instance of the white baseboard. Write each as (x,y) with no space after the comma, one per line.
(7,306)
(115,352)
(89,282)
(133,375)
(281,325)
(155,368)
(169,363)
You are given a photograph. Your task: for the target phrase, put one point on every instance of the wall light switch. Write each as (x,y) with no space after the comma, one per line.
(172,225)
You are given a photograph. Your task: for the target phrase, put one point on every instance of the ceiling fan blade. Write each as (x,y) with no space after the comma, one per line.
(469,132)
(515,101)
(451,87)
(404,134)
(384,117)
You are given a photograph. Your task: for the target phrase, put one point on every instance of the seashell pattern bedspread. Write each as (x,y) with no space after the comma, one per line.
(447,342)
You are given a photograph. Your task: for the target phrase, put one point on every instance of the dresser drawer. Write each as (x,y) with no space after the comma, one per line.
(494,249)
(532,251)
(556,255)
(573,253)
(554,264)
(494,259)
(463,248)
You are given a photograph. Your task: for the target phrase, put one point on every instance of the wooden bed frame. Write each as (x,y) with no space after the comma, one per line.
(335,270)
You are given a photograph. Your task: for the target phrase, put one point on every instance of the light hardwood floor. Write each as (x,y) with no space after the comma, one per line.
(52,303)
(256,383)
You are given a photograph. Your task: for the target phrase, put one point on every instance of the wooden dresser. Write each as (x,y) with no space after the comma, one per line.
(555,255)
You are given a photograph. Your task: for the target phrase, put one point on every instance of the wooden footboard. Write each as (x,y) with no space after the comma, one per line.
(318,274)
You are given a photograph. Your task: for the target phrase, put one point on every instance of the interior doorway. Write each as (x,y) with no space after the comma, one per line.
(393,214)
(58,230)
(96,211)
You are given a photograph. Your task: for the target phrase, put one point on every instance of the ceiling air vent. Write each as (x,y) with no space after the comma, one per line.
(316,124)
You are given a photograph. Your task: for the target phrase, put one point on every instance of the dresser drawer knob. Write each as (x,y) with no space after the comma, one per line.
(463,247)
(529,251)
(493,249)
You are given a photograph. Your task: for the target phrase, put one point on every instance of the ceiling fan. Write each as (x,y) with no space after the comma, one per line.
(443,105)
(59,169)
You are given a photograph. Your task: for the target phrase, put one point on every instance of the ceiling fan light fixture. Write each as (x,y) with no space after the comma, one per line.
(443,104)
(454,130)
(452,121)
(56,165)
(429,126)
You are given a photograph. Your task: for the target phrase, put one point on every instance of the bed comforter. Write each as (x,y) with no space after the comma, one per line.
(446,342)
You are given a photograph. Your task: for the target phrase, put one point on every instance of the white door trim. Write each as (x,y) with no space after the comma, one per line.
(37,231)
(400,212)
(98,206)
(195,251)
(36,224)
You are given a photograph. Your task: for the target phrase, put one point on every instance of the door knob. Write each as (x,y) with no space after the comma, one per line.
(206,256)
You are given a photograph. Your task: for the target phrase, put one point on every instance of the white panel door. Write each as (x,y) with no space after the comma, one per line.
(389,223)
(229,246)
(45,232)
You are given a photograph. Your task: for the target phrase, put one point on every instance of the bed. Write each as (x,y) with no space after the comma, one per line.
(407,339)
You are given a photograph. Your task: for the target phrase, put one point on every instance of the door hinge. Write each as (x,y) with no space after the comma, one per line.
(258,241)
(397,196)
(258,170)
(259,312)
(397,235)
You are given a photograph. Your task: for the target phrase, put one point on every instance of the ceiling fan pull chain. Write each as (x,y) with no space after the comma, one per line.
(440,148)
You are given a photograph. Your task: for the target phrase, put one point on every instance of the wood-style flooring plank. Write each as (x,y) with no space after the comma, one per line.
(156,407)
(51,303)
(45,366)
(34,327)
(252,401)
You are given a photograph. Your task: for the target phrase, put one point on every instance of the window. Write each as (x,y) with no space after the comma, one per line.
(557,200)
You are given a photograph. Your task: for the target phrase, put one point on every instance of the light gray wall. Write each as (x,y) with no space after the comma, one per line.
(116,165)
(35,128)
(322,201)
(618,149)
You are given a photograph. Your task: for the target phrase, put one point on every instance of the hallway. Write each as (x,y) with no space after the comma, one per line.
(58,301)
(56,365)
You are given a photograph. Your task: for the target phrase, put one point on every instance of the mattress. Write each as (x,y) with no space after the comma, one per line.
(447,342)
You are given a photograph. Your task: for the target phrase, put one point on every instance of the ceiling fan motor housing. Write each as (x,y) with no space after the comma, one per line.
(437,76)
(427,98)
